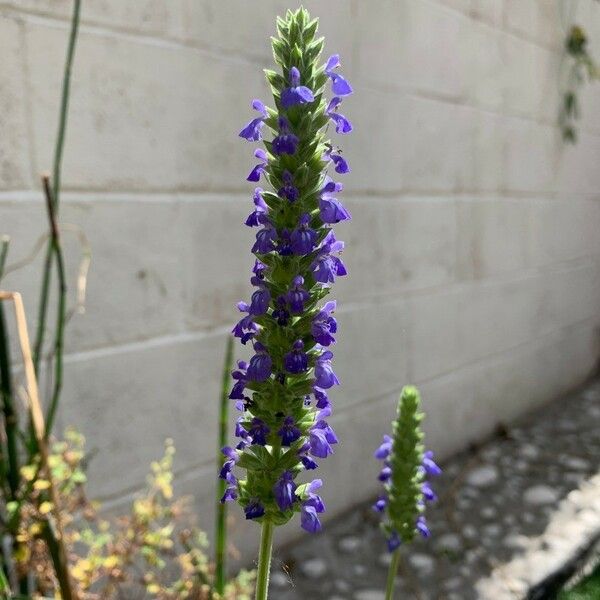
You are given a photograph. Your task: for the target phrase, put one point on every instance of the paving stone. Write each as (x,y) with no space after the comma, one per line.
(540,494)
(453,583)
(449,541)
(529,451)
(483,476)
(279,580)
(385,559)
(314,568)
(578,464)
(489,512)
(341,585)
(369,595)
(349,544)
(422,562)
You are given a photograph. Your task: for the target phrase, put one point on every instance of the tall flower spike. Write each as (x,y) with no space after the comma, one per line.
(291,328)
(405,468)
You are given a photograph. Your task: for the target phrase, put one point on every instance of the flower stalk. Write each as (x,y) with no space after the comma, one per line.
(264,561)
(56,180)
(405,467)
(281,391)
(221,508)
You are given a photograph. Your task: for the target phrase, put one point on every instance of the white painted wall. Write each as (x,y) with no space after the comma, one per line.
(474,251)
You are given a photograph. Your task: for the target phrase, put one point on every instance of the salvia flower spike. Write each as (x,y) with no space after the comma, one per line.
(282,390)
(406,466)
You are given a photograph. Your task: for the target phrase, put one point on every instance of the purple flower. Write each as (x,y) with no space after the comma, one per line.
(428,493)
(308,462)
(285,491)
(303,238)
(340,86)
(281,314)
(296,361)
(394,541)
(324,325)
(260,301)
(321,438)
(386,447)
(297,295)
(289,433)
(342,125)
(296,93)
(331,209)
(285,142)
(322,398)
(341,166)
(259,215)
(258,431)
(311,507)
(229,495)
(287,190)
(245,329)
(324,375)
(326,266)
(239,375)
(385,473)
(422,528)
(231,459)
(309,520)
(260,365)
(430,467)
(284,246)
(252,131)
(260,168)
(254,509)
(380,504)
(265,240)
(240,430)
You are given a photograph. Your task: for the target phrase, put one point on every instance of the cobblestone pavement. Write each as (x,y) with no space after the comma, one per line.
(492,525)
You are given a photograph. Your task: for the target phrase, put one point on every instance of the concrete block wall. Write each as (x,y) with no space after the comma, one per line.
(474,253)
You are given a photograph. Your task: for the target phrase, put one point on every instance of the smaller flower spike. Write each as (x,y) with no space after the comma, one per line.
(405,466)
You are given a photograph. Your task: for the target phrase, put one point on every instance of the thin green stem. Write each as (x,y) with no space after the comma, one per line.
(221,510)
(62,306)
(59,560)
(391,578)
(58,154)
(4,241)
(264,560)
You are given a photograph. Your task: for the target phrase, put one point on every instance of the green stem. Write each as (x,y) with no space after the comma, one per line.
(58,153)
(60,562)
(221,510)
(391,578)
(62,306)
(264,561)
(4,241)
(58,340)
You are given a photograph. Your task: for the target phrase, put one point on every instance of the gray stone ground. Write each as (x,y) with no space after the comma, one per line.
(496,502)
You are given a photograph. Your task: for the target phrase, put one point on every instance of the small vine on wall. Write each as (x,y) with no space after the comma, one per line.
(581,67)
